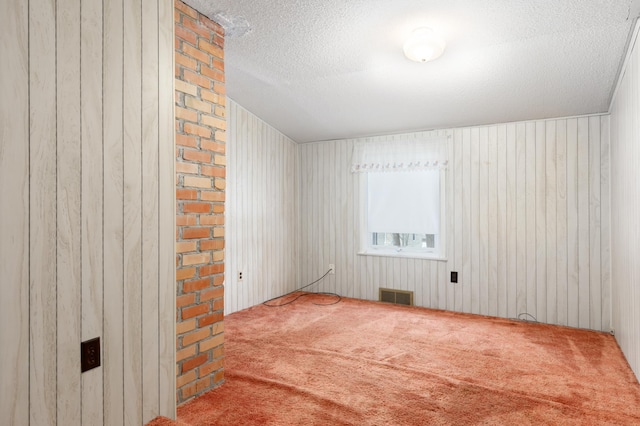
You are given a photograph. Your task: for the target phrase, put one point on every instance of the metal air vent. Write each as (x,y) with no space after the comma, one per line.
(399,297)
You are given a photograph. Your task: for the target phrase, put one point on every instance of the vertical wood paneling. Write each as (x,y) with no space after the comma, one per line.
(572,223)
(331,205)
(632,312)
(558,302)
(167,216)
(72,95)
(595,281)
(501,231)
(454,299)
(133,389)
(233,204)
(14,208)
(629,193)
(324,222)
(467,243)
(512,223)
(351,231)
(321,187)
(483,223)
(274,155)
(605,222)
(301,213)
(247,256)
(278,160)
(543,161)
(295,166)
(493,224)
(91,195)
(553,222)
(624,211)
(42,241)
(521,220)
(150,213)
(342,269)
(261,212)
(232,260)
(473,280)
(583,223)
(541,222)
(257,220)
(69,224)
(513,213)
(628,245)
(423,286)
(633,293)
(442,274)
(234,287)
(114,221)
(530,218)
(439,273)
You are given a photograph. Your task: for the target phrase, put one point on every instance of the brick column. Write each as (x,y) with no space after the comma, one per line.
(200,193)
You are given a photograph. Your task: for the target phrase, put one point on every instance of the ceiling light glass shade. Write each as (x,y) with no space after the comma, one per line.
(424,45)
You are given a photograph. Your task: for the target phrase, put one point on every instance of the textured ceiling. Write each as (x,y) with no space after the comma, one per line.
(331,69)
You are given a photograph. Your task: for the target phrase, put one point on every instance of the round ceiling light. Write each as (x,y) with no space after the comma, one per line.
(424,45)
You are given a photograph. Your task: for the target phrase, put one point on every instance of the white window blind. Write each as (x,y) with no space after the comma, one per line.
(406,202)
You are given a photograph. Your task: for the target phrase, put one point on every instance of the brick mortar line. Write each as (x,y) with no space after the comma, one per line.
(204,363)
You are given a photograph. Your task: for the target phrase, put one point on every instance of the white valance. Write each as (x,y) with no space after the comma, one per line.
(400,155)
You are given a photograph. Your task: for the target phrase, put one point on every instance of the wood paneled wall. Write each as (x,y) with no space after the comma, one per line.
(87,208)
(527,224)
(625,208)
(261,211)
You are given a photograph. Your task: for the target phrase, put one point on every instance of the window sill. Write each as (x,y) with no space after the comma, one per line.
(405,255)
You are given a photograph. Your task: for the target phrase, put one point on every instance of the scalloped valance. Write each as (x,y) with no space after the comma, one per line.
(400,155)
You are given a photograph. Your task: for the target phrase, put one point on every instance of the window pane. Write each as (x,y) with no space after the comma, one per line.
(409,242)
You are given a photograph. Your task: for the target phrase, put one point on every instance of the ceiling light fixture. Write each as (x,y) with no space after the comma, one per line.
(424,45)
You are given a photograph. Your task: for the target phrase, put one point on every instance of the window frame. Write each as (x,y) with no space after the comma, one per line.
(365,246)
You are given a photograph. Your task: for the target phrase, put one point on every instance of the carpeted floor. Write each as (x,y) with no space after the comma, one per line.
(367,363)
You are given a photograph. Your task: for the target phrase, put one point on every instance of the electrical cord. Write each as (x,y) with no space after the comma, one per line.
(266,303)
(526,314)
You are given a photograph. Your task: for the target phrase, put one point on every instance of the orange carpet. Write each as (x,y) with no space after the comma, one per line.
(367,363)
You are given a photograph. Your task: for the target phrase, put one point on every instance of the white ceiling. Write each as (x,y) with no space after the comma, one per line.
(332,69)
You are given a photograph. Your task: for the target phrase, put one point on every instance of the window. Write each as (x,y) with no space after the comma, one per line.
(403,213)
(402,197)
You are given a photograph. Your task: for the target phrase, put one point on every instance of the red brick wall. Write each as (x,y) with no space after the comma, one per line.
(200,193)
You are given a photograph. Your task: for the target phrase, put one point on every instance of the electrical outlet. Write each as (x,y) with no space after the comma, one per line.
(332,269)
(89,354)
(454,277)
(239,275)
